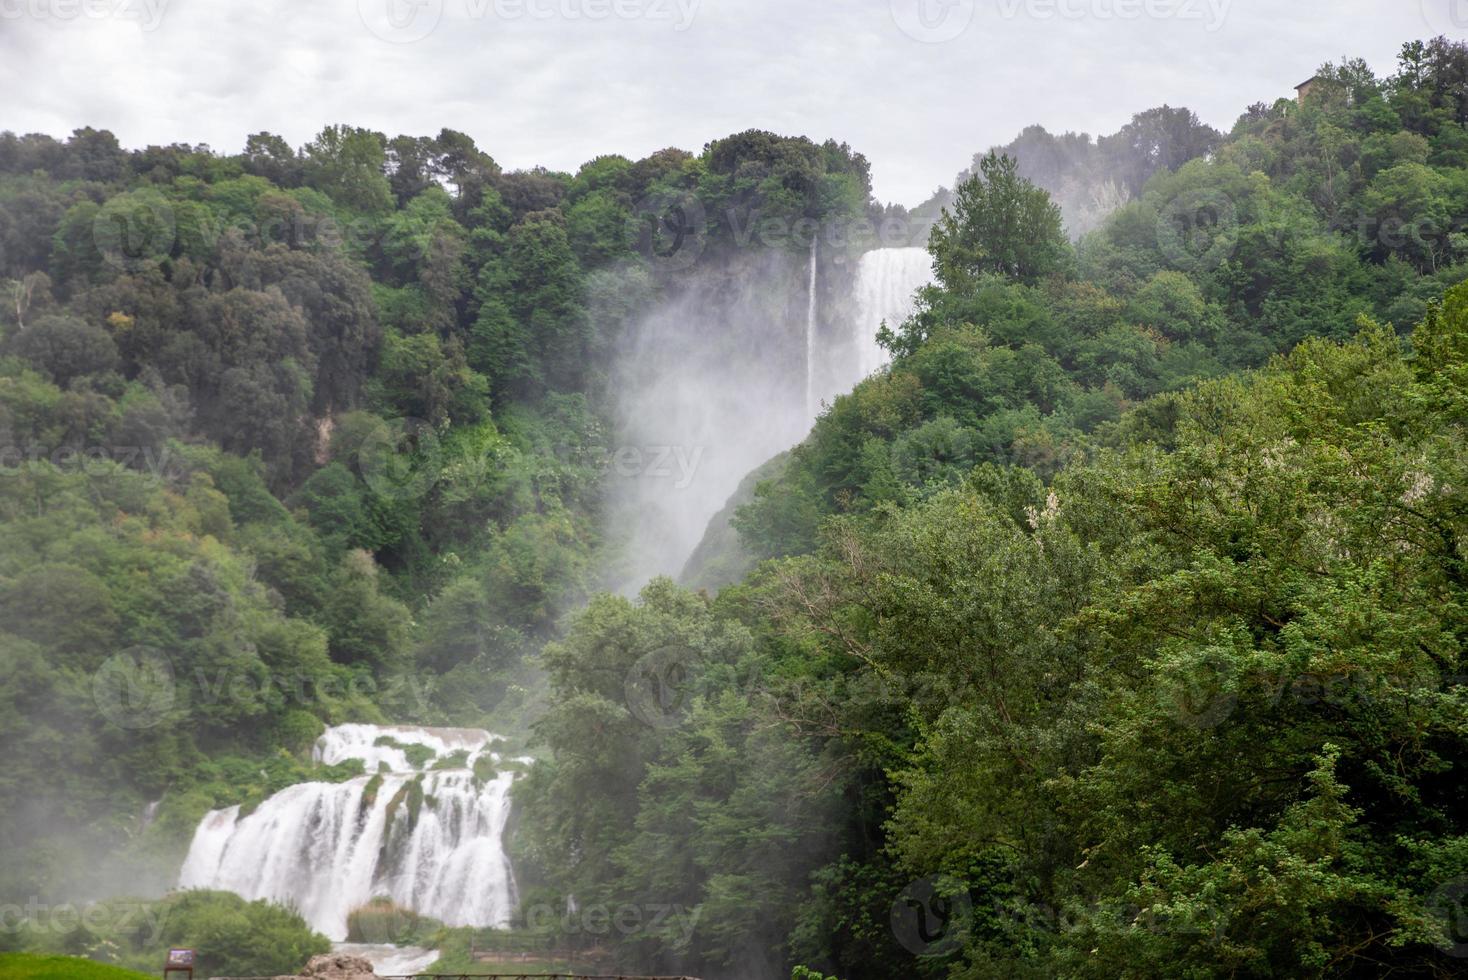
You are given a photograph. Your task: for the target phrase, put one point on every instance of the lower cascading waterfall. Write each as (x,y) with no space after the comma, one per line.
(432,840)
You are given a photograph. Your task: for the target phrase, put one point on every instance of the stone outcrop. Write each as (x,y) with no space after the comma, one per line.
(335,966)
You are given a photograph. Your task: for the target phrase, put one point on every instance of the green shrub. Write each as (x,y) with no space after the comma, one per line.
(384,921)
(238,938)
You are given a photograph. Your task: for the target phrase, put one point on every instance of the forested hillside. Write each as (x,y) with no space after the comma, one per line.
(1306,218)
(1115,630)
(294,438)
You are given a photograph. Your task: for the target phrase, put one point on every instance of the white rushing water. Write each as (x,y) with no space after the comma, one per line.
(812,396)
(327,848)
(886,280)
(388,960)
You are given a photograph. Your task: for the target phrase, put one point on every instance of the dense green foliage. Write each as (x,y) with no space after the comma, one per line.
(293,438)
(1197,705)
(1001,225)
(1117,628)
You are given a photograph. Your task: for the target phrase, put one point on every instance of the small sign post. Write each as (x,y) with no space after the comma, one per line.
(179,961)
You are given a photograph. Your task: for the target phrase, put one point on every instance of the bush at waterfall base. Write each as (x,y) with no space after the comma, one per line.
(233,937)
(384,921)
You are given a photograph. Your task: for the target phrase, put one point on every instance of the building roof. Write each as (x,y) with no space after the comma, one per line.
(1312,78)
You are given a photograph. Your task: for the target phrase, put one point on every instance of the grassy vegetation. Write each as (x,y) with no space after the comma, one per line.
(453,946)
(24,966)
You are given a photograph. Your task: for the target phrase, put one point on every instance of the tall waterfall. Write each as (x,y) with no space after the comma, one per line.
(812,398)
(886,279)
(846,351)
(327,848)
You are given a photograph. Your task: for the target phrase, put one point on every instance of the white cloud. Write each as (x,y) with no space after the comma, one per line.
(557,82)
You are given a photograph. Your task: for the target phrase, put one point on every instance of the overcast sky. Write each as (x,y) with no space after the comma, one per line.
(916,85)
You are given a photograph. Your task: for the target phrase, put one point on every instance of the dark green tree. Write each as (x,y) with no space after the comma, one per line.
(1000,224)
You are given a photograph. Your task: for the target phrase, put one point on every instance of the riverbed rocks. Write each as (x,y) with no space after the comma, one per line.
(336,966)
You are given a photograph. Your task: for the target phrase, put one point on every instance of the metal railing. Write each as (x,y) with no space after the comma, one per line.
(500,976)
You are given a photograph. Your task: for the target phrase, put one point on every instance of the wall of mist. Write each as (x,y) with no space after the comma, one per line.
(705,387)
(730,369)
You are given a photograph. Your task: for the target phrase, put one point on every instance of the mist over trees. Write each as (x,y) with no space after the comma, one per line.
(309,437)
(1114,628)
(1089,177)
(1120,619)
